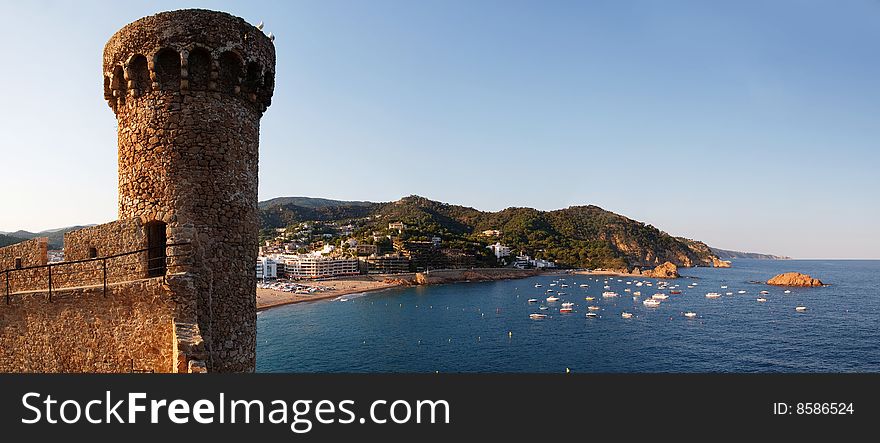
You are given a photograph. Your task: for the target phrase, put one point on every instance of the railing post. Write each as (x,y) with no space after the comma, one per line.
(104,261)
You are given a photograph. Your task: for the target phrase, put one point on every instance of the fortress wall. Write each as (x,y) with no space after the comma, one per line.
(188,89)
(32,252)
(117,237)
(81,330)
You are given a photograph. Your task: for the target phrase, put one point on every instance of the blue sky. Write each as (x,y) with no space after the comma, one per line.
(750,125)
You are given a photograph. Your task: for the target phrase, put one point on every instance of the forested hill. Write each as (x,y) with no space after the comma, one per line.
(578,236)
(6,240)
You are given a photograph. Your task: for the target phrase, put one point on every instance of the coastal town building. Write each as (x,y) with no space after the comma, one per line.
(492,233)
(366,250)
(526,262)
(386,264)
(314,265)
(267,268)
(499,250)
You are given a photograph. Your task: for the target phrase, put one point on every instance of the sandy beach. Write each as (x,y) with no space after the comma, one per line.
(270,298)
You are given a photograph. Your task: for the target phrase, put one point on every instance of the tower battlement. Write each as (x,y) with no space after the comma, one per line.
(187,51)
(170,286)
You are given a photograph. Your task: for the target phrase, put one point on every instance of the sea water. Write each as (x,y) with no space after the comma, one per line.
(485,327)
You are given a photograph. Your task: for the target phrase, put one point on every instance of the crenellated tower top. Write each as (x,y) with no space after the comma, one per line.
(189,50)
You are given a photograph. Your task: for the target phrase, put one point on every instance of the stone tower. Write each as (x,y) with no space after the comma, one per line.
(188,89)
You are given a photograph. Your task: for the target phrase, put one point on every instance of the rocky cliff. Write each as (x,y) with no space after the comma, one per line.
(666,270)
(794,279)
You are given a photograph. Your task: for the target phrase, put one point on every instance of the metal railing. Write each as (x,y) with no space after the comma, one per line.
(154,267)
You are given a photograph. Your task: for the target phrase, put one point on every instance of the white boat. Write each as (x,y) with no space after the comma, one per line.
(639,284)
(565,310)
(651,303)
(627,290)
(713,295)
(552,299)
(800,308)
(637,293)
(606,287)
(728,293)
(724,287)
(787,292)
(690,314)
(593,308)
(592,315)
(740,292)
(533,300)
(694,284)
(552,284)
(561,293)
(585,286)
(567,304)
(626,315)
(563,285)
(765,292)
(543,308)
(761,299)
(343,299)
(537,285)
(537,316)
(659,296)
(609,294)
(550,290)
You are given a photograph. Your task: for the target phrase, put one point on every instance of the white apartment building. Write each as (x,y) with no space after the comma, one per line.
(499,250)
(266,268)
(317,266)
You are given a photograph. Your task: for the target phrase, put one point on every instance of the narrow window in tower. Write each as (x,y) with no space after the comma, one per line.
(231,69)
(93,252)
(167,65)
(199,68)
(117,83)
(139,74)
(253,78)
(17,262)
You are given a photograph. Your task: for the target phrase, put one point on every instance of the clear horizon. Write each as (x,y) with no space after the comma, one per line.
(747,126)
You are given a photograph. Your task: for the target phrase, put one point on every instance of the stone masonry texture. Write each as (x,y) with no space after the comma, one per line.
(188,89)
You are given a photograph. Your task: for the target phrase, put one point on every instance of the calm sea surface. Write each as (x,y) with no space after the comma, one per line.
(485,327)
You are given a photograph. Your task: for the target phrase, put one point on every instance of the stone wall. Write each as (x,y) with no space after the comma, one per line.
(32,252)
(188,89)
(81,330)
(109,239)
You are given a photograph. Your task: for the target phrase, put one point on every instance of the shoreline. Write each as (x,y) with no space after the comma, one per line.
(363,284)
(290,298)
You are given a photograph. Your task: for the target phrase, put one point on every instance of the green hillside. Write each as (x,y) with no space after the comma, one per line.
(6,240)
(579,236)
